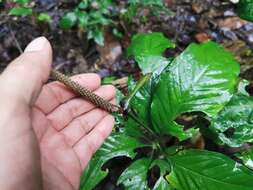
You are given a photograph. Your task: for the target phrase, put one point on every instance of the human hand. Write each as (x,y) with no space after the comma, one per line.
(47,133)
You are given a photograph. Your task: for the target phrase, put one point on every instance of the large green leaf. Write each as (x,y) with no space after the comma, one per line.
(118,144)
(149,64)
(68,20)
(242,87)
(162,183)
(245,9)
(198,170)
(140,99)
(246,157)
(20,11)
(234,124)
(97,35)
(147,49)
(83,18)
(203,78)
(21,2)
(135,176)
(44,17)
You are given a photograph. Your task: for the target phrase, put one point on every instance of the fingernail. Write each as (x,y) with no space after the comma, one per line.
(36,45)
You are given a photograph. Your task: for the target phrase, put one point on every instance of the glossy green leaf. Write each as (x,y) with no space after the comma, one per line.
(108,80)
(140,96)
(97,18)
(246,157)
(242,87)
(154,44)
(105,6)
(20,11)
(119,96)
(21,2)
(147,49)
(199,169)
(44,17)
(162,164)
(140,99)
(245,9)
(97,35)
(162,183)
(83,4)
(135,176)
(117,33)
(134,129)
(203,78)
(118,144)
(143,114)
(234,124)
(68,20)
(128,13)
(149,64)
(83,18)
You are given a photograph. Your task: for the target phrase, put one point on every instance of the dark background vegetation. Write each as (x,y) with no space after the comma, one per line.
(194,20)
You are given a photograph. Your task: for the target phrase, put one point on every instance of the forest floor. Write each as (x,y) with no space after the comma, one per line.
(194,21)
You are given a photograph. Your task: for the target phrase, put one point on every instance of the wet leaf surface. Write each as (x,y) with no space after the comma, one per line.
(246,157)
(147,49)
(234,124)
(118,144)
(198,169)
(202,78)
(245,9)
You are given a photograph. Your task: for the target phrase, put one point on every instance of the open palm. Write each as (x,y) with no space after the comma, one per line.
(69,130)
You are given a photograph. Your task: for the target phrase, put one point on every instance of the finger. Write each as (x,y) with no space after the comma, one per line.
(87,146)
(77,107)
(82,125)
(25,76)
(56,93)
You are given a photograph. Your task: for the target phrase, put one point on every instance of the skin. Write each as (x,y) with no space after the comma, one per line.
(47,133)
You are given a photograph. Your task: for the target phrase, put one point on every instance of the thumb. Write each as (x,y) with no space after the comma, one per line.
(24,77)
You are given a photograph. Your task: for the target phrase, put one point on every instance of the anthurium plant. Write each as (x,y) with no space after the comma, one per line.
(245,9)
(203,81)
